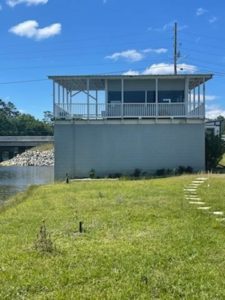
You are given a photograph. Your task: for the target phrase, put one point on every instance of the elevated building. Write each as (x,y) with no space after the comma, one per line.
(115,124)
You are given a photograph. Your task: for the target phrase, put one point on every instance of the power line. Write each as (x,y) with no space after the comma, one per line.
(23,81)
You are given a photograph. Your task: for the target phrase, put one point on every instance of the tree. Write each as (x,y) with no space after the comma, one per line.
(222,123)
(215,148)
(12,122)
(8,109)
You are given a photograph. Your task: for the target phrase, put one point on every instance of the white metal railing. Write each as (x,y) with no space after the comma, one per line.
(126,110)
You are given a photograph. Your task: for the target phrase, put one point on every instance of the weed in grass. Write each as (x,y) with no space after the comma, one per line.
(101,195)
(44,242)
(120,199)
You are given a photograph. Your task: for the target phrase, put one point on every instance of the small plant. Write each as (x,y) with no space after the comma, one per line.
(137,173)
(160,172)
(189,170)
(92,174)
(182,170)
(101,195)
(115,175)
(44,242)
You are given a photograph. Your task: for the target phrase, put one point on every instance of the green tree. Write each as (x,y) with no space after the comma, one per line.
(215,148)
(12,122)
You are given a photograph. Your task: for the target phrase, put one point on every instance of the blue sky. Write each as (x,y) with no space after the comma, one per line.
(70,37)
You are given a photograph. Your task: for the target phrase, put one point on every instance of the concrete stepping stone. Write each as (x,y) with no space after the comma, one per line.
(220,219)
(202,178)
(197,202)
(190,190)
(204,207)
(193,199)
(191,194)
(218,213)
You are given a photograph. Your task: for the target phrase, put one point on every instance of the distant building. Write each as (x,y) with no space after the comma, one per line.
(213,127)
(115,124)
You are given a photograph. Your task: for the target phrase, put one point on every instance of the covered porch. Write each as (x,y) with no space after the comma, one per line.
(141,96)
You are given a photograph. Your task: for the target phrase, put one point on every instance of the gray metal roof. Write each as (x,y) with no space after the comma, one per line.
(97,82)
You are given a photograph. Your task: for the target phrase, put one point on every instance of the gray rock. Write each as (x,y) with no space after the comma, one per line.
(32,158)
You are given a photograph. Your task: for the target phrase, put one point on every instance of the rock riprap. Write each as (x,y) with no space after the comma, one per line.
(32,158)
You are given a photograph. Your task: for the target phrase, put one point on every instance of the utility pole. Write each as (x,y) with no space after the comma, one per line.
(175,48)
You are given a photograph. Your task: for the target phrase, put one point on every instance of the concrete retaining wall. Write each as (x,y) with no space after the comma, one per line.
(122,147)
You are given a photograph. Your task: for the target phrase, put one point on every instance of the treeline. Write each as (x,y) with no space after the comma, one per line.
(13,122)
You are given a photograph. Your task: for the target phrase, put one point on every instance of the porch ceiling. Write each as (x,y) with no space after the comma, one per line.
(76,83)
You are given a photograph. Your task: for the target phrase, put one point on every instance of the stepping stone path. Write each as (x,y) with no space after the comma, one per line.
(190,194)
(204,207)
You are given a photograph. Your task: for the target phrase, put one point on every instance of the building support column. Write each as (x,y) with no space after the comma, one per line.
(186,96)
(156,97)
(88,99)
(122,97)
(53,92)
(96,112)
(194,98)
(63,98)
(67,101)
(198,112)
(59,96)
(204,98)
(70,99)
(106,98)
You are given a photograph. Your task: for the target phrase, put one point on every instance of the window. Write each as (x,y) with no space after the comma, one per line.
(134,96)
(114,96)
(151,96)
(170,96)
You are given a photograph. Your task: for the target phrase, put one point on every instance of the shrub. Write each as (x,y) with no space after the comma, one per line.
(92,174)
(160,172)
(137,173)
(44,242)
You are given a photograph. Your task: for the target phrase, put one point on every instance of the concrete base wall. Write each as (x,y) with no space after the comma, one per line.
(121,147)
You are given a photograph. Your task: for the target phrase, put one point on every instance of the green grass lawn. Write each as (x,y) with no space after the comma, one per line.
(142,240)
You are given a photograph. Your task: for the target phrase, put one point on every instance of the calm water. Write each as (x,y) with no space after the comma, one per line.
(17,179)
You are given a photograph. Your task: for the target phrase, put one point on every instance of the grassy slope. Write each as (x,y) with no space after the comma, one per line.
(43,147)
(222,162)
(142,241)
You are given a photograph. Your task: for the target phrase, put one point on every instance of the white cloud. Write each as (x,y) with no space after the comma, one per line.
(131,55)
(157,51)
(163,68)
(201,11)
(212,112)
(167,26)
(13,3)
(213,20)
(131,72)
(30,29)
(209,97)
(134,55)
(167,69)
